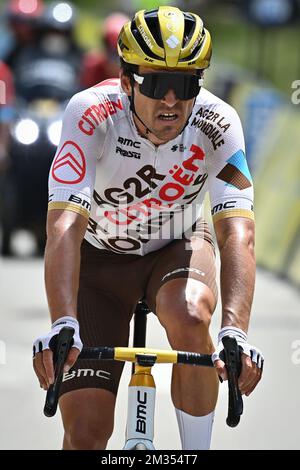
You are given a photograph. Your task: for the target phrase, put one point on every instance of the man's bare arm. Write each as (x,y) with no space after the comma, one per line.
(236,238)
(65,232)
(236,242)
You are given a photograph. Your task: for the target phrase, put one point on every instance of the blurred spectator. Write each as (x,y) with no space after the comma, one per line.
(56,28)
(99,66)
(21,17)
(6,112)
(51,67)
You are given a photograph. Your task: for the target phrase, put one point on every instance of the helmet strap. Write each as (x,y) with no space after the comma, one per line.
(132,106)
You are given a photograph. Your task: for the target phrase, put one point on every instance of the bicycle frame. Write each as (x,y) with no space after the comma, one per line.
(142,391)
(141,394)
(140,411)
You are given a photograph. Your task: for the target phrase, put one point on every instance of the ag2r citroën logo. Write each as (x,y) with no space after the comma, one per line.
(69,166)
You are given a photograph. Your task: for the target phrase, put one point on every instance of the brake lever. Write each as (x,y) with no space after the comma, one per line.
(60,354)
(232,359)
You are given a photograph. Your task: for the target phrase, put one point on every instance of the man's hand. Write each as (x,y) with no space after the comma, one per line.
(252,360)
(43,355)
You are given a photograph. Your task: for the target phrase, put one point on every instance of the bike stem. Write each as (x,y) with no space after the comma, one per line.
(141,406)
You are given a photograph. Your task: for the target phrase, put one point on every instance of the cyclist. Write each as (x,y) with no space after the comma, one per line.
(52,68)
(57,30)
(22,18)
(99,66)
(135,159)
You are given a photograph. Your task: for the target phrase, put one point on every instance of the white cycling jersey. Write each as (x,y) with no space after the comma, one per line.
(138,196)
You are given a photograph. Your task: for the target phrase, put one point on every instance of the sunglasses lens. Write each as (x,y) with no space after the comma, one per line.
(157,85)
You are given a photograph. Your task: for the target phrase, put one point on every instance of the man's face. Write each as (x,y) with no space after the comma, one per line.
(165,117)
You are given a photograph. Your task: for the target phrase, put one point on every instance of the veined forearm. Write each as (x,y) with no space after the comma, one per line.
(237,281)
(62,264)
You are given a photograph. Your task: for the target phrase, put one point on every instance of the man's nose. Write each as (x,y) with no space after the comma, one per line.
(170,98)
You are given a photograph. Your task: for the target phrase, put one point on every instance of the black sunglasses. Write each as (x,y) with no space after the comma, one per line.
(157,85)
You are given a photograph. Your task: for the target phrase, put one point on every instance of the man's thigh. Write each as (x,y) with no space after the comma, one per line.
(187,259)
(103,321)
(110,286)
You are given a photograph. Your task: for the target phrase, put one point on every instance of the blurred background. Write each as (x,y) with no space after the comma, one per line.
(51,50)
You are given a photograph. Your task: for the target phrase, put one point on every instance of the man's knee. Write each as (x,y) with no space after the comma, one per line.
(88,417)
(184,306)
(82,435)
(185,315)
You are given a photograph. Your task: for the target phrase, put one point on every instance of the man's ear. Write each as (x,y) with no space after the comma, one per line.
(125,83)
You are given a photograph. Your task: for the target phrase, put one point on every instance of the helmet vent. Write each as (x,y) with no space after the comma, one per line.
(153,24)
(193,55)
(189,28)
(139,39)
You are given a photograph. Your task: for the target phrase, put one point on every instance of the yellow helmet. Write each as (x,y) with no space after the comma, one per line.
(165,37)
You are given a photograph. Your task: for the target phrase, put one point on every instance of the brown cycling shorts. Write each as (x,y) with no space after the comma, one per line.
(111,285)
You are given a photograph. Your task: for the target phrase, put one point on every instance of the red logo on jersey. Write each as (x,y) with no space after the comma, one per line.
(69,166)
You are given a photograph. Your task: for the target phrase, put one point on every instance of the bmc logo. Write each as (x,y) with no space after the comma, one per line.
(129,142)
(220,207)
(141,412)
(80,201)
(102,374)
